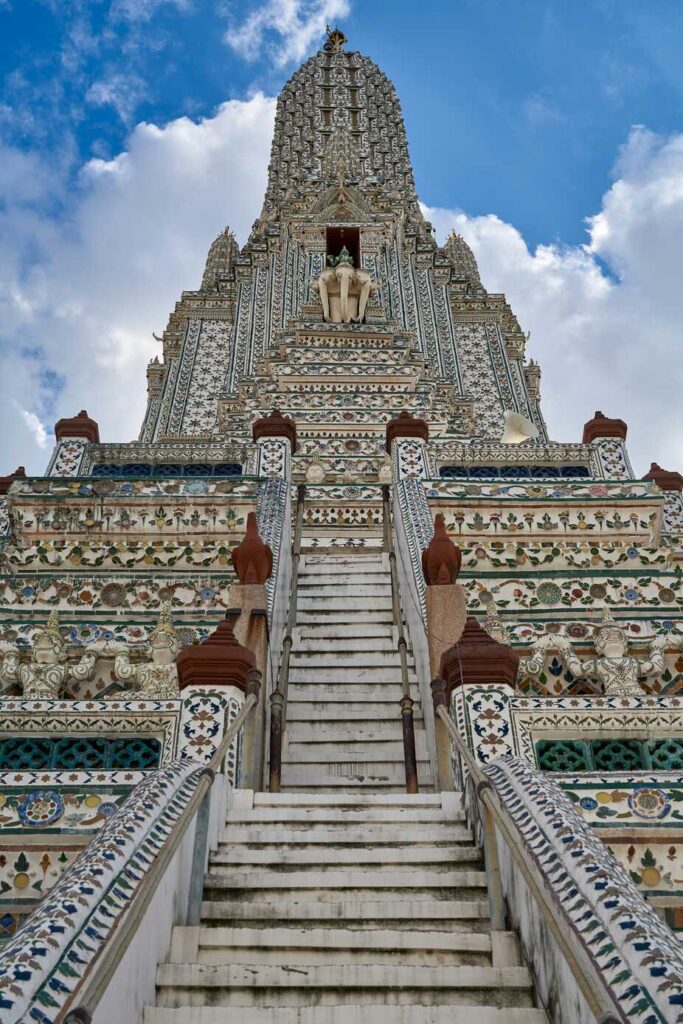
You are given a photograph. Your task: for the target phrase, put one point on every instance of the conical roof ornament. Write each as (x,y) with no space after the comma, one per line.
(335,40)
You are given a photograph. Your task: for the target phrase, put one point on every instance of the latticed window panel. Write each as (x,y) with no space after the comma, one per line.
(665,755)
(617,755)
(24,754)
(610,755)
(166,469)
(88,752)
(81,753)
(562,756)
(519,472)
(136,753)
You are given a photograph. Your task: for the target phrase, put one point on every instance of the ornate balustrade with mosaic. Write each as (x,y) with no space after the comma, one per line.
(573,567)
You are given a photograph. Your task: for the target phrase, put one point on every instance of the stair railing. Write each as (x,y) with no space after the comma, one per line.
(594,948)
(406,702)
(100,901)
(278,698)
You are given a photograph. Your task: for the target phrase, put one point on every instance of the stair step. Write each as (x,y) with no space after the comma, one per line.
(347,692)
(342,568)
(349,578)
(352,674)
(333,947)
(408,800)
(387,731)
(343,646)
(324,630)
(357,815)
(349,1013)
(277,985)
(321,857)
(377,593)
(337,602)
(341,755)
(367,835)
(344,616)
(328,711)
(326,778)
(371,877)
(452,914)
(350,785)
(322,657)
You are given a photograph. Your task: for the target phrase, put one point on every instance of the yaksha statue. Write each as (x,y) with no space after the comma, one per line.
(615,668)
(344,290)
(46,673)
(156,678)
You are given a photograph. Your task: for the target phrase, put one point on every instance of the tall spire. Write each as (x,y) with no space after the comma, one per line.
(338,107)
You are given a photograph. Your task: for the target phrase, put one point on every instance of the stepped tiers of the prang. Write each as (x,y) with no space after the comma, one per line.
(344,695)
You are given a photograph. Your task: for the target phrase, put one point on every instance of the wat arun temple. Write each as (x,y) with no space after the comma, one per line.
(345,694)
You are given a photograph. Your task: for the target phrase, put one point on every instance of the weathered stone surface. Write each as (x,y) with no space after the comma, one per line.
(405,425)
(667,480)
(81,425)
(220,661)
(602,426)
(477,659)
(275,425)
(252,560)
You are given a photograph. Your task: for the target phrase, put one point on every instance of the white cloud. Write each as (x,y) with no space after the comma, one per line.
(144,10)
(36,427)
(296,23)
(605,318)
(122,92)
(87,274)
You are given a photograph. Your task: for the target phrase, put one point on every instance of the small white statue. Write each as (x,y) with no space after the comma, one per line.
(156,678)
(45,675)
(344,290)
(315,471)
(615,668)
(494,625)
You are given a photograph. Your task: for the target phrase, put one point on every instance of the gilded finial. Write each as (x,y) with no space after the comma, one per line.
(335,40)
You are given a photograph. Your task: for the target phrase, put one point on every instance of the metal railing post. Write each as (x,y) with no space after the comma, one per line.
(277,703)
(406,702)
(252,740)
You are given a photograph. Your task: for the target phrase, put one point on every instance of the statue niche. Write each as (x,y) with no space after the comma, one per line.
(344,290)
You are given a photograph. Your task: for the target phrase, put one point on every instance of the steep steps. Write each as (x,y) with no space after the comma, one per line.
(343,728)
(346,908)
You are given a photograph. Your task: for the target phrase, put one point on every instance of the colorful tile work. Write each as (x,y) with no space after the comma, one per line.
(88,901)
(637,955)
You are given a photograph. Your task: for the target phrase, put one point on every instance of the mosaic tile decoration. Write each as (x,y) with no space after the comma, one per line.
(637,955)
(43,964)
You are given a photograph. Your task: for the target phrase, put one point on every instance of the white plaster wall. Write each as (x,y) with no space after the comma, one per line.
(132,986)
(553,979)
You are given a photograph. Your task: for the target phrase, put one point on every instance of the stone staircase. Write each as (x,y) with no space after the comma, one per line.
(344,909)
(342,900)
(343,729)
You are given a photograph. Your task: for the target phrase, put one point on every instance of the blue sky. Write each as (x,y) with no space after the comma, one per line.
(515,106)
(522,122)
